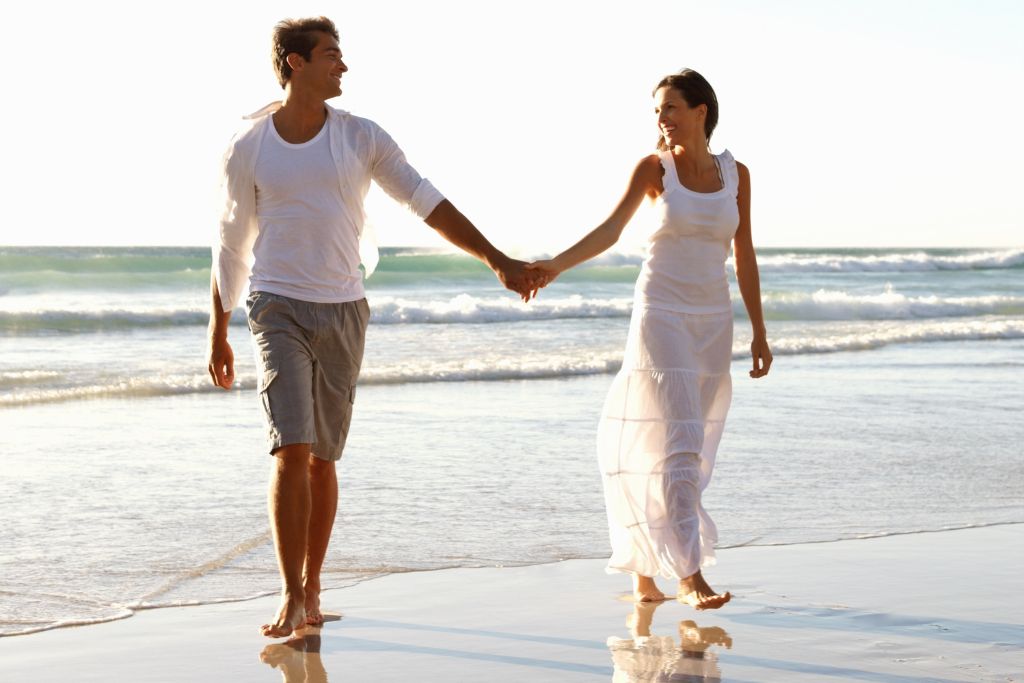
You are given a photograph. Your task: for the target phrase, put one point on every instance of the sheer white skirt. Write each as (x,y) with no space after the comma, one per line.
(657,440)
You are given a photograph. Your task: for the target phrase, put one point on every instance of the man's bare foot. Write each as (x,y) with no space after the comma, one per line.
(645,590)
(290,616)
(313,615)
(695,592)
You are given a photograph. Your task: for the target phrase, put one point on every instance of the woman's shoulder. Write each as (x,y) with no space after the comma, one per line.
(650,165)
(648,175)
(742,178)
(726,156)
(742,171)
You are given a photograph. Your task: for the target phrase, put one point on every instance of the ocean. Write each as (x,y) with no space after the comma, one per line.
(130,483)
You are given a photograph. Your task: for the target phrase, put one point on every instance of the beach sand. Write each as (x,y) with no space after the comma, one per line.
(937,606)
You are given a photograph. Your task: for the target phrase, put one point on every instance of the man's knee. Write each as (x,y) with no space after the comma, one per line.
(319,467)
(292,454)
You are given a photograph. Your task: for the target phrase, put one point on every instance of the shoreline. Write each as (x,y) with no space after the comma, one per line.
(134,609)
(877,609)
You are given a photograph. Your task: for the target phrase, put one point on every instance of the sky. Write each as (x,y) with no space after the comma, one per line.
(894,123)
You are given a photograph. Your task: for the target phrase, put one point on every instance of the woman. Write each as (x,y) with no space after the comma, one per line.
(664,414)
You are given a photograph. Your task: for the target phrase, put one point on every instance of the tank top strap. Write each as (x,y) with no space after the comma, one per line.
(730,175)
(669,181)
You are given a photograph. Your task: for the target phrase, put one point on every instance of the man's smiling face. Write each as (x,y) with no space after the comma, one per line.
(322,73)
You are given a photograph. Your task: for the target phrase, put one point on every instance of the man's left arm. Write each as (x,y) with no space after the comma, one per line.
(458,230)
(401,181)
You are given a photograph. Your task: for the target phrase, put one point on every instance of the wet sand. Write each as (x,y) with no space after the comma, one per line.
(941,606)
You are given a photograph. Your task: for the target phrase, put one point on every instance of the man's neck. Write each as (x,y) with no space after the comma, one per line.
(300,117)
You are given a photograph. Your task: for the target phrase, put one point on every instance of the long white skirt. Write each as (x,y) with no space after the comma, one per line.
(657,440)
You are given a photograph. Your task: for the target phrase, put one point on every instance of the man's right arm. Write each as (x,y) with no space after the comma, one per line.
(231,259)
(220,357)
(233,247)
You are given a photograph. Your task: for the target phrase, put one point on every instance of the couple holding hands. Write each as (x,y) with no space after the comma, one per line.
(294,183)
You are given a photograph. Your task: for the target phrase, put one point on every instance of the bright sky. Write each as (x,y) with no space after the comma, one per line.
(869,123)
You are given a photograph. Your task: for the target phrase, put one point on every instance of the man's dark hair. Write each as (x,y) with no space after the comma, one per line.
(299,36)
(696,91)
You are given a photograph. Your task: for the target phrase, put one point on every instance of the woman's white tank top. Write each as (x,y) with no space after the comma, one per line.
(685,266)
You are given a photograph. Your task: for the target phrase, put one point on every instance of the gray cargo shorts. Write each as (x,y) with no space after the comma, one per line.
(307,358)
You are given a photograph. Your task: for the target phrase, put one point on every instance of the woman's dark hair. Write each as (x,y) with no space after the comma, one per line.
(297,35)
(696,91)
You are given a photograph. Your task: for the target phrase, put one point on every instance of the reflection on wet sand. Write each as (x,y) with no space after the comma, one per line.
(298,658)
(645,657)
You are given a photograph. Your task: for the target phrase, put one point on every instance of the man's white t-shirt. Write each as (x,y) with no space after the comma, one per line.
(307,247)
(324,270)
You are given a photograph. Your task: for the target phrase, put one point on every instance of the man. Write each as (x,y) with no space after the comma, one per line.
(294,182)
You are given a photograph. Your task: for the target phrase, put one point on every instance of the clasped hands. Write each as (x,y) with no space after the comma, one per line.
(526,279)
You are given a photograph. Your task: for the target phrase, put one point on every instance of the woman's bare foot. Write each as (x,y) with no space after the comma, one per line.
(290,616)
(313,615)
(645,590)
(695,592)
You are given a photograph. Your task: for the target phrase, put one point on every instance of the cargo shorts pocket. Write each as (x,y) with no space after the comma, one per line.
(265,376)
(347,405)
(266,379)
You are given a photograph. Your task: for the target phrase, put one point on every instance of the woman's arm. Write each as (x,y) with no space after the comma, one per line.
(645,181)
(748,278)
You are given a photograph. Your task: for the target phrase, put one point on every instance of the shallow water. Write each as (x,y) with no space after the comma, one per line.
(130,483)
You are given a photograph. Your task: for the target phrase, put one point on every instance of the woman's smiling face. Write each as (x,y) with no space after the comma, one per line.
(677,121)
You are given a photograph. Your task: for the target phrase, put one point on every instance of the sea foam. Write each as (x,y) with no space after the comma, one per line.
(524,366)
(892,262)
(823,304)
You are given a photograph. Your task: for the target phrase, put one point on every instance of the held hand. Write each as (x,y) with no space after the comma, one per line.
(762,356)
(514,275)
(221,363)
(545,273)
